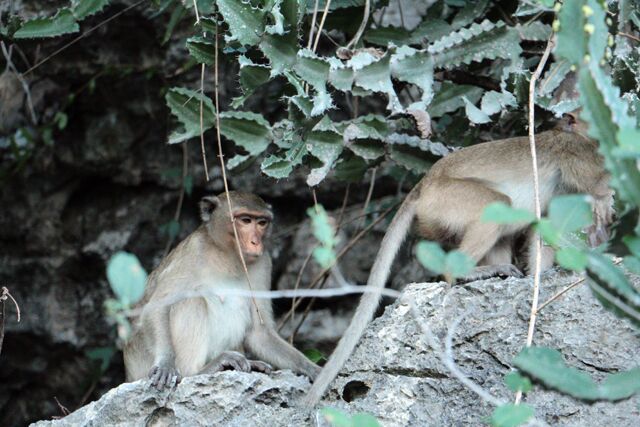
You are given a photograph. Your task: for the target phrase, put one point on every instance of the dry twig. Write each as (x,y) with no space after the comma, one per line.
(536,195)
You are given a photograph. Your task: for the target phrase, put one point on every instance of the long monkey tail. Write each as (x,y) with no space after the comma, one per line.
(395,235)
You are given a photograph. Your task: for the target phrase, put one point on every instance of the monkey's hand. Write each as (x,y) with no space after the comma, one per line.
(164,375)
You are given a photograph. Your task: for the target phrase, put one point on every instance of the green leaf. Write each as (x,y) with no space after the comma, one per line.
(202,50)
(126,277)
(415,67)
(633,243)
(327,146)
(632,264)
(606,113)
(185,105)
(276,167)
(246,23)
(336,417)
(570,213)
(282,51)
(493,102)
(62,23)
(375,75)
(609,284)
(517,382)
(534,31)
(449,98)
(469,13)
(83,8)
(252,76)
(431,256)
(486,40)
(383,36)
(351,169)
(511,415)
(571,258)
(547,365)
(475,114)
(364,420)
(249,130)
(572,41)
(458,264)
(315,355)
(548,232)
(621,385)
(501,213)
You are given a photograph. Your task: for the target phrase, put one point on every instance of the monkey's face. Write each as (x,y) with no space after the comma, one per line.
(252,229)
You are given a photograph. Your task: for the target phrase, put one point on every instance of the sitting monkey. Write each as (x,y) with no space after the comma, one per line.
(205,334)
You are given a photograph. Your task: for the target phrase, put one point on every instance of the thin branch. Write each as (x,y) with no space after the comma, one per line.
(363,25)
(224,175)
(367,200)
(83,35)
(3,297)
(313,24)
(195,6)
(324,16)
(560,293)
(630,36)
(6,294)
(536,195)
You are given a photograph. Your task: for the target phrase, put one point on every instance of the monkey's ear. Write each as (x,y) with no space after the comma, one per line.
(208,204)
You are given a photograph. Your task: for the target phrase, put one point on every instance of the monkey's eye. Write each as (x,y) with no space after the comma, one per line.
(263,222)
(245,219)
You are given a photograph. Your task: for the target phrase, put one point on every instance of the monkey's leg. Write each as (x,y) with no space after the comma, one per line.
(478,241)
(264,342)
(548,254)
(460,211)
(227,360)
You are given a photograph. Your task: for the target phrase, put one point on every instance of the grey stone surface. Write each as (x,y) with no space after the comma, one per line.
(395,375)
(226,398)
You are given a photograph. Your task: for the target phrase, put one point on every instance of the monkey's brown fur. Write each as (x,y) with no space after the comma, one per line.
(205,334)
(448,203)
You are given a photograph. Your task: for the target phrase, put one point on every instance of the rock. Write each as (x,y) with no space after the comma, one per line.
(223,399)
(395,375)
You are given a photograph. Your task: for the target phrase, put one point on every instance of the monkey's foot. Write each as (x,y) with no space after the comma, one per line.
(260,366)
(488,271)
(228,360)
(164,377)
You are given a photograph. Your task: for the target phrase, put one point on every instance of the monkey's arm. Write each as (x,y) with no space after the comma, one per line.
(155,321)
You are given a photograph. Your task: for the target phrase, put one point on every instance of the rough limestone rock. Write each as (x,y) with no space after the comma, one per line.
(395,375)
(224,399)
